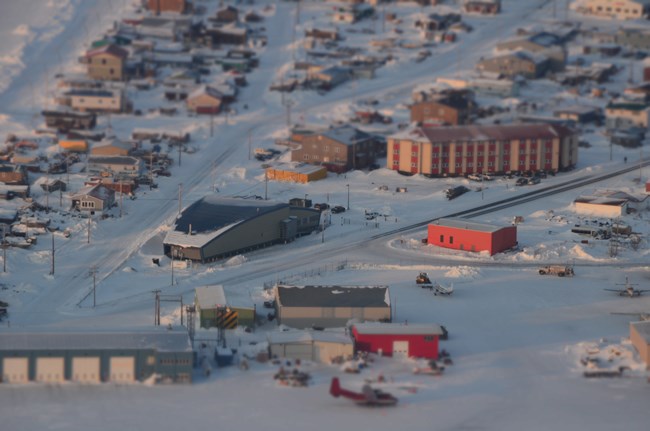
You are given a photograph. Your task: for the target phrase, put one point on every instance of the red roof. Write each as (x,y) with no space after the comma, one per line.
(113,50)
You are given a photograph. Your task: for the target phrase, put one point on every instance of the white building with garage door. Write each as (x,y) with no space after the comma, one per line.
(95,357)
(316,346)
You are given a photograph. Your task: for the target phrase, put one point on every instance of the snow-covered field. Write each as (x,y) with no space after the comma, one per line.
(516,338)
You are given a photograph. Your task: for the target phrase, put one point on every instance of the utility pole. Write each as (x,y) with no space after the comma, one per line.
(121,201)
(90,215)
(47,194)
(348,186)
(52,269)
(93,272)
(180,198)
(180,147)
(156,312)
(172,263)
(249,144)
(4,248)
(266,185)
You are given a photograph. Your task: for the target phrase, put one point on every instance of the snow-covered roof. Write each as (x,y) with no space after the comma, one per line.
(114,160)
(399,328)
(163,340)
(97,191)
(113,142)
(211,216)
(205,89)
(299,337)
(346,134)
(303,169)
(210,296)
(473,133)
(333,296)
(460,223)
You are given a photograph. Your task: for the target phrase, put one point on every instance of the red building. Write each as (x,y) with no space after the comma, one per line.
(462,234)
(396,339)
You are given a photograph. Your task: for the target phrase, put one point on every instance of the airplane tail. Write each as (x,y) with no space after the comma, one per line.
(335,387)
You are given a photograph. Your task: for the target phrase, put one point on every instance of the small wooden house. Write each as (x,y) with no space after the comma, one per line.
(205,100)
(94,198)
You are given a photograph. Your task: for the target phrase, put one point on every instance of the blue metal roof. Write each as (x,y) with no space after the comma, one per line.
(214,212)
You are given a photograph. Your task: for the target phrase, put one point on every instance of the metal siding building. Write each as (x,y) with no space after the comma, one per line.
(317,346)
(461,234)
(213,309)
(418,340)
(92,357)
(214,227)
(331,306)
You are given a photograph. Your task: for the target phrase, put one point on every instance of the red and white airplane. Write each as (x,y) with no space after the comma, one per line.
(367,397)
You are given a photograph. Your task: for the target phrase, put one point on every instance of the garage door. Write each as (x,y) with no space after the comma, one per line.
(85,370)
(15,370)
(122,369)
(49,370)
(400,349)
(298,351)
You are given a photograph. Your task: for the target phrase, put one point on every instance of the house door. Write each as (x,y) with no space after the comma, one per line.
(400,349)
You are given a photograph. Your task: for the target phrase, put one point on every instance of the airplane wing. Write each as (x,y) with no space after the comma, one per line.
(643,291)
(615,290)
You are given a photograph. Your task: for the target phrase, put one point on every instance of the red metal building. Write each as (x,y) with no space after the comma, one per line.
(462,234)
(396,339)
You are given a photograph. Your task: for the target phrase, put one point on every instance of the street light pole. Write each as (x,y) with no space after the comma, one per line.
(348,186)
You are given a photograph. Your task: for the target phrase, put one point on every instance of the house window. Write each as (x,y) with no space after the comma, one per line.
(327,148)
(111,71)
(429,338)
(336,149)
(103,61)
(451,240)
(442,238)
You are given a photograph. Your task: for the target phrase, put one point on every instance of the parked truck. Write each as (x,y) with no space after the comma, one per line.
(559,270)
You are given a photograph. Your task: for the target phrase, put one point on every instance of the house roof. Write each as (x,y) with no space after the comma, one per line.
(472,133)
(600,200)
(91,93)
(114,160)
(346,134)
(97,191)
(398,328)
(113,142)
(207,90)
(333,296)
(109,49)
(577,109)
(460,223)
(307,337)
(210,296)
(303,169)
(163,340)
(627,106)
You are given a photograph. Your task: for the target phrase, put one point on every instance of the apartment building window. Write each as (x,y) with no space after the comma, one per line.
(457,153)
(327,148)
(336,149)
(505,163)
(490,164)
(306,156)
(395,162)
(413,165)
(479,164)
(469,154)
(522,162)
(458,165)
(522,152)
(414,154)
(445,165)
(470,164)
(480,153)
(434,166)
(548,161)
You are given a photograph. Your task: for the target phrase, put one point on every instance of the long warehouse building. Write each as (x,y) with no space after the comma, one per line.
(214,227)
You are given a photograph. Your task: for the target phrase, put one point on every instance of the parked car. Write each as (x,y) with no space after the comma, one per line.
(321,207)
(338,209)
(521,181)
(533,180)
(454,192)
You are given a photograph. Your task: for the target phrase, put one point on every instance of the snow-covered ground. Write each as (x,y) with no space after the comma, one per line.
(516,338)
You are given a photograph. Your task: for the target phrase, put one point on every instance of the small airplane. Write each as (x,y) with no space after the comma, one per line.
(425,282)
(628,290)
(367,397)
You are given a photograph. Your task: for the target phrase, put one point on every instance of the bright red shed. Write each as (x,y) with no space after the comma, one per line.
(462,234)
(397,339)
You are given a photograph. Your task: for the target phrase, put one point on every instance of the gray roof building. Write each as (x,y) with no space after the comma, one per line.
(331,306)
(215,227)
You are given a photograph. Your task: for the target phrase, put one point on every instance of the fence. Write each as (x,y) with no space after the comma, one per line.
(294,278)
